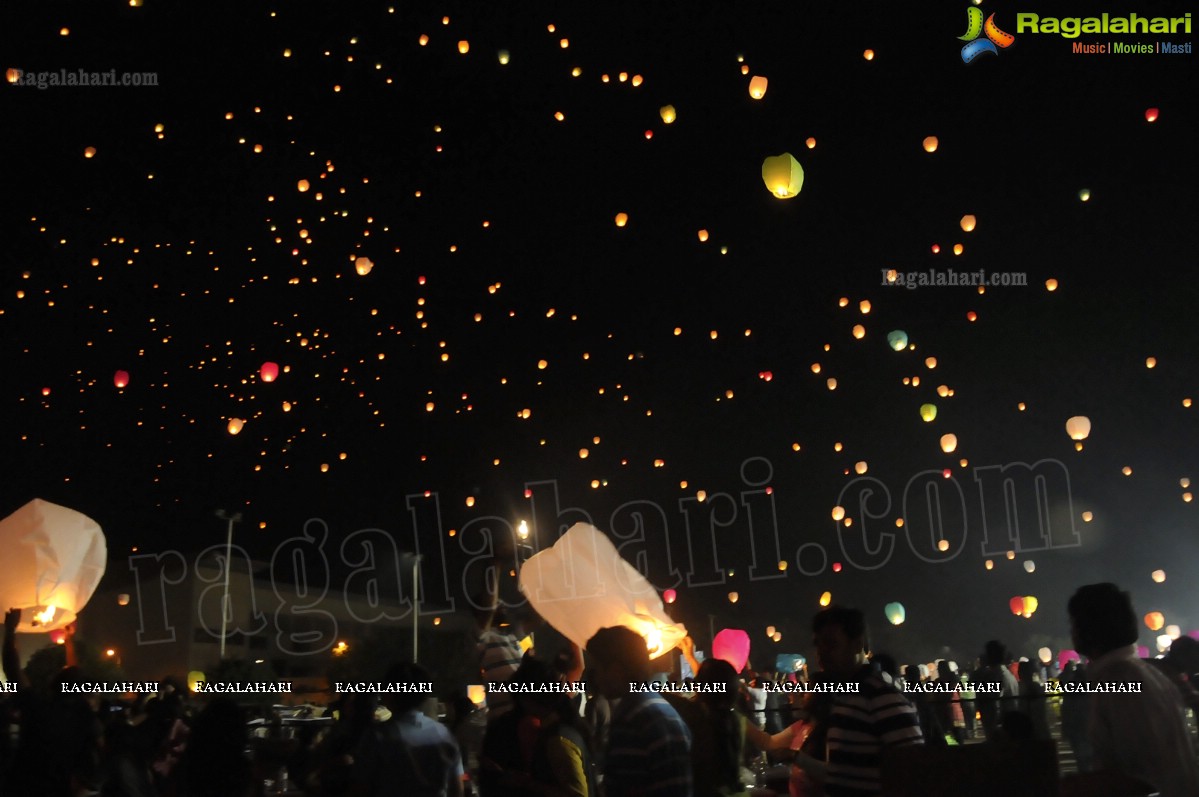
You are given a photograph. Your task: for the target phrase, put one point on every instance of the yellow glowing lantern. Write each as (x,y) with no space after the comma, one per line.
(622,219)
(859,331)
(703,236)
(783,175)
(757,87)
(90,152)
(930,144)
(860,467)
(1150,362)
(868,55)
(838,513)
(734,597)
(235,425)
(1088,516)
(504,57)
(1158,576)
(1078,427)
(1051,285)
(928,412)
(968,223)
(949,442)
(194,679)
(668,114)
(832,383)
(770,630)
(302,186)
(826,598)
(464,47)
(363,266)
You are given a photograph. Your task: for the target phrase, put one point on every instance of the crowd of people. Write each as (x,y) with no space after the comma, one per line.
(829,731)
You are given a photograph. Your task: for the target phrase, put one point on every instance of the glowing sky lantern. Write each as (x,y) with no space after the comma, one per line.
(783,175)
(757,87)
(1084,194)
(1030,605)
(897,339)
(859,331)
(1045,655)
(1016,604)
(928,412)
(838,513)
(269,372)
(826,598)
(90,152)
(1158,576)
(1154,621)
(731,645)
(670,596)
(53,559)
(949,442)
(1030,566)
(860,467)
(464,47)
(668,114)
(302,186)
(504,57)
(895,612)
(930,144)
(363,266)
(581,584)
(120,378)
(734,597)
(1151,115)
(968,223)
(1078,427)
(1051,285)
(622,219)
(235,425)
(770,630)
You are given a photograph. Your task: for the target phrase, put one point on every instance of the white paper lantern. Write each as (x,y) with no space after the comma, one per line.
(53,559)
(581,585)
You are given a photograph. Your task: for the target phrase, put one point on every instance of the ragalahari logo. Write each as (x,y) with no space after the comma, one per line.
(975,27)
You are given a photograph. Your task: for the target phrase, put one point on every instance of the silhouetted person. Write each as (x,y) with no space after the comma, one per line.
(1140,739)
(999,694)
(215,763)
(649,745)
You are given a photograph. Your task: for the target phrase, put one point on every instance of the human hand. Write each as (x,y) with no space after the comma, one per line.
(687,645)
(12,619)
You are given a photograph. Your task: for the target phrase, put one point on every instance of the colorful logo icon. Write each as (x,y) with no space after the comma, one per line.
(975,27)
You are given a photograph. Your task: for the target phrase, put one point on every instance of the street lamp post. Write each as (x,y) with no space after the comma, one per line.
(226,609)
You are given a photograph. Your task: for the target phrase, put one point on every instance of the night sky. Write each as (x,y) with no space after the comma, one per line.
(188,256)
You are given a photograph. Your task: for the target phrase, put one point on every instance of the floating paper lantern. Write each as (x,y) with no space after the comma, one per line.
(1158,576)
(120,378)
(622,219)
(1087,517)
(1016,604)
(897,339)
(90,152)
(949,442)
(838,513)
(930,144)
(363,266)
(581,584)
(504,57)
(928,412)
(1051,285)
(703,236)
(464,47)
(1078,427)
(1030,566)
(194,679)
(968,223)
(826,598)
(859,331)
(670,596)
(731,645)
(1030,605)
(1151,115)
(269,372)
(860,467)
(123,599)
(895,613)
(302,186)
(1154,621)
(734,597)
(757,87)
(1045,655)
(235,425)
(868,55)
(770,630)
(668,114)
(53,559)
(1150,362)
(783,175)
(778,636)
(1084,194)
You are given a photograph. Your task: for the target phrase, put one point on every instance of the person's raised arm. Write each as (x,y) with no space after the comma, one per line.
(12,662)
(687,647)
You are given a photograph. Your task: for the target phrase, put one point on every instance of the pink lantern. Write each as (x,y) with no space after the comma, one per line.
(732,645)
(268,372)
(669,595)
(1065,656)
(1142,652)
(120,378)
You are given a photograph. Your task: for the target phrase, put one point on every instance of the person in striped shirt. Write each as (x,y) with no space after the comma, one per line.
(649,744)
(867,714)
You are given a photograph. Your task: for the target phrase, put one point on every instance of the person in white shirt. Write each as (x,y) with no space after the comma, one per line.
(1139,737)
